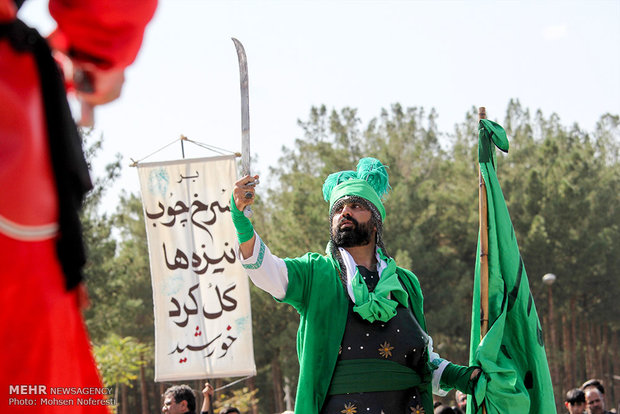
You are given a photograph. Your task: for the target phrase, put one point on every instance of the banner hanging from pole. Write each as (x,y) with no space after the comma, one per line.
(201,296)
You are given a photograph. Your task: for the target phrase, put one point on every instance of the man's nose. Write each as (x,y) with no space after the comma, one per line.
(346,210)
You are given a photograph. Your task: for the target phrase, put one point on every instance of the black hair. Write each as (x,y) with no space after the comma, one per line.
(183,392)
(575,396)
(229,410)
(596,383)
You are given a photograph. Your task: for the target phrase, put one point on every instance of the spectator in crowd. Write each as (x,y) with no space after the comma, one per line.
(575,401)
(461,402)
(229,410)
(598,384)
(179,399)
(595,401)
(595,396)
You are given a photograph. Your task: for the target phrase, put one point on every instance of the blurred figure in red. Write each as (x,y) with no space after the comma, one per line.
(43,178)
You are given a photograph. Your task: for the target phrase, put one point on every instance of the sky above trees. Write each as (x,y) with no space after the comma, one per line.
(556,56)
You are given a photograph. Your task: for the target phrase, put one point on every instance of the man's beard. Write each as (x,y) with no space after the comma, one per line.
(357,235)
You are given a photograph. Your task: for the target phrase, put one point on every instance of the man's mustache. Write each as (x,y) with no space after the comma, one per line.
(347,218)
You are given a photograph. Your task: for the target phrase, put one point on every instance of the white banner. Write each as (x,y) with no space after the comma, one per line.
(203,322)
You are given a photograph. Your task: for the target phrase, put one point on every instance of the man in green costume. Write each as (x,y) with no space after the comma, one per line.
(362,342)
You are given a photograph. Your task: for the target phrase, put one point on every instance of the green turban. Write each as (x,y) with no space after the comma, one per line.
(370,181)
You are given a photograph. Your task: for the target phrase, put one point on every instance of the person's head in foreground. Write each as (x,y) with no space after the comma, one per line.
(594,401)
(179,399)
(575,401)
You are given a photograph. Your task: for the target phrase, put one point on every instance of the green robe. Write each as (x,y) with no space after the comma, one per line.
(315,290)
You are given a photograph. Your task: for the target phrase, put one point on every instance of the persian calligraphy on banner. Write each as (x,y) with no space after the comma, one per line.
(203,323)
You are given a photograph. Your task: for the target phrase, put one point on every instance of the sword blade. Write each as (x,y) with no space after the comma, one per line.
(245,107)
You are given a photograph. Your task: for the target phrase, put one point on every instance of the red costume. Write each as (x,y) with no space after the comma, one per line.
(44,338)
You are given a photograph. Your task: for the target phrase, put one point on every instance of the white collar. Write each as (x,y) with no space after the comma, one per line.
(351,268)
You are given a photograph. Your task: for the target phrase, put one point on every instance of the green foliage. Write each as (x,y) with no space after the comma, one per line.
(118,274)
(561,186)
(119,359)
(242,399)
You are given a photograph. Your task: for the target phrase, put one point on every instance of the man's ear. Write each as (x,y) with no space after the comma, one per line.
(183,405)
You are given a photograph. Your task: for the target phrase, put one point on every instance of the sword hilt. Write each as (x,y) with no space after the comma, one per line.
(247,211)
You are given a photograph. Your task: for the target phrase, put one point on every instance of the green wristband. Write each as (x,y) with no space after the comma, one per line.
(243,225)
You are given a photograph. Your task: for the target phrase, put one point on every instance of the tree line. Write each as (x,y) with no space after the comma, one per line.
(561,185)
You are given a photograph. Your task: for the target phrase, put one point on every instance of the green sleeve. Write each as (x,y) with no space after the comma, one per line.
(299,278)
(457,376)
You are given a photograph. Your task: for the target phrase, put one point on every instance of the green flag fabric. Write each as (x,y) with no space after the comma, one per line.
(512,354)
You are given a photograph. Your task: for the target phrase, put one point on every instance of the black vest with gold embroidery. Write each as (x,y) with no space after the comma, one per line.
(401,340)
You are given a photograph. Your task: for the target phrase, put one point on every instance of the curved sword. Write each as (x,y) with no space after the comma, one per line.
(245,116)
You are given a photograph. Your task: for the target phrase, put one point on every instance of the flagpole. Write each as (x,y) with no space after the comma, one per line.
(484,246)
(183,138)
(484,249)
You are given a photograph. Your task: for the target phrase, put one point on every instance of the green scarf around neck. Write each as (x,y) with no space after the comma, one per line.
(376,305)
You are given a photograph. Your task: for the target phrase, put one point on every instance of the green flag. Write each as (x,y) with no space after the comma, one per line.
(512,353)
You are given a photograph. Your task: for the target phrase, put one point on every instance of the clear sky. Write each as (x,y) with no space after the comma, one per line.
(558,56)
